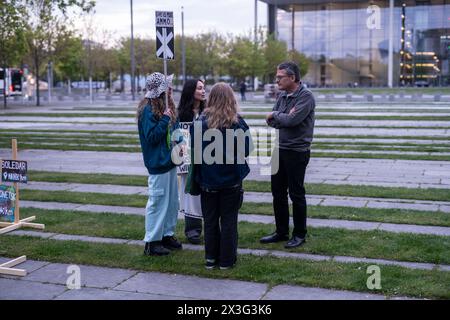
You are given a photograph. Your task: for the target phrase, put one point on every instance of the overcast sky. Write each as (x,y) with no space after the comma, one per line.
(223,16)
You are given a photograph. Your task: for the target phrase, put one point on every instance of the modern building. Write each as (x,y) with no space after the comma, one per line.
(367,43)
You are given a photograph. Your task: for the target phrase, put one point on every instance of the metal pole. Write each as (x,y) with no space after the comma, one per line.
(165,75)
(133,65)
(183,47)
(391,44)
(49,81)
(256,43)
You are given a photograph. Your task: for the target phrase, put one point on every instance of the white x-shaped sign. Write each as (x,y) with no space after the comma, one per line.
(164,39)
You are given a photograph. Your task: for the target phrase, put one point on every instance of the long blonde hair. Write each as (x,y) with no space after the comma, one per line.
(158,106)
(221,109)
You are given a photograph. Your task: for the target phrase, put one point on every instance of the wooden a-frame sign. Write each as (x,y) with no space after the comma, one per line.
(6,268)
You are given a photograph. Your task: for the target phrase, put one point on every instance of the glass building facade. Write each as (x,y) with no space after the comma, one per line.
(347,41)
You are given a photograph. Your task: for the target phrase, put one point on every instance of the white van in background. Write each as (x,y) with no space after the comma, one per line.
(12,77)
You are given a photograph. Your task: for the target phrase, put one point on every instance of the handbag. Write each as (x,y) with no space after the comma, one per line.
(192,187)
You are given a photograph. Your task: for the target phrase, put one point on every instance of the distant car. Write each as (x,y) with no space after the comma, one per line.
(421,83)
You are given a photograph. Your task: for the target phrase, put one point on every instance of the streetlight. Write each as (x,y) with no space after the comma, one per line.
(183,46)
(132,54)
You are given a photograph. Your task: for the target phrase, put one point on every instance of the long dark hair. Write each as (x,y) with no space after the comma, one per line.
(186,105)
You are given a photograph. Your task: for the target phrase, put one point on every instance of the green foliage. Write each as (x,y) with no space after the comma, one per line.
(36,32)
(69,52)
(301,60)
(12,44)
(275,52)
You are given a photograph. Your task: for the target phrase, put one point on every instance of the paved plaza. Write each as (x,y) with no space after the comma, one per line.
(59,140)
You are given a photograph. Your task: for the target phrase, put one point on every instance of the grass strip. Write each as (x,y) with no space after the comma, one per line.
(71,115)
(271,270)
(399,216)
(371,118)
(107,148)
(254,186)
(342,213)
(327,241)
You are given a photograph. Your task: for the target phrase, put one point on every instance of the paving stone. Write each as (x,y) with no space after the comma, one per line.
(344,203)
(48,205)
(136,243)
(193,287)
(349,225)
(406,206)
(65,237)
(434,186)
(29,265)
(254,252)
(47,186)
(110,189)
(39,234)
(256,218)
(444,268)
(286,292)
(96,277)
(12,289)
(112,209)
(409,265)
(102,294)
(408,228)
(302,256)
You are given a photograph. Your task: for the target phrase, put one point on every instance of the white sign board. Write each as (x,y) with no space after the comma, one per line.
(184,128)
(165,35)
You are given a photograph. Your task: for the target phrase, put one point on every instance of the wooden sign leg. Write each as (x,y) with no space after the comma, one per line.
(16,185)
(6,268)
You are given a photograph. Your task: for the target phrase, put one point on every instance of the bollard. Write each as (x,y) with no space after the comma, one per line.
(348,97)
(369,97)
(391,97)
(437,97)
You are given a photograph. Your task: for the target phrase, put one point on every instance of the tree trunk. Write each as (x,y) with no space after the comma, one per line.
(4,87)
(36,62)
(122,81)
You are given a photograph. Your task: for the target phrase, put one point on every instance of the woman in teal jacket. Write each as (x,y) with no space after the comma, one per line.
(157,124)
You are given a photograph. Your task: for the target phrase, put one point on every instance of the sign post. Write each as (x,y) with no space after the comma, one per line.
(14,171)
(165,39)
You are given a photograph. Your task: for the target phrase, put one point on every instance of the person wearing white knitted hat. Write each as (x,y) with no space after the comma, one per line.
(157,125)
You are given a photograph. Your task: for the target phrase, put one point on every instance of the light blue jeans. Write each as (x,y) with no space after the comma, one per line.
(161,212)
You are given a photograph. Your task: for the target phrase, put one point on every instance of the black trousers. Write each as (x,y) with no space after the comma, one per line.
(290,178)
(220,217)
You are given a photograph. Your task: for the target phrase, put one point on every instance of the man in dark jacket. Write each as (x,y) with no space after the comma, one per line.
(293,116)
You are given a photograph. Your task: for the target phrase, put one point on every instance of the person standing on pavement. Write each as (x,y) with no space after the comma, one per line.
(223,144)
(192,103)
(294,116)
(157,123)
(243,90)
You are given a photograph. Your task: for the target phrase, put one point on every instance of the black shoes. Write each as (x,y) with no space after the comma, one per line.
(171,243)
(274,237)
(211,264)
(162,248)
(155,248)
(295,242)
